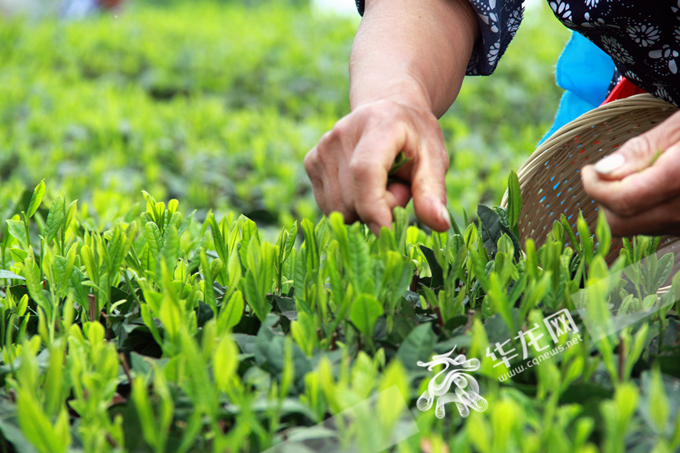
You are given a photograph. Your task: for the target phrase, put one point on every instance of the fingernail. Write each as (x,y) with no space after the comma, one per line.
(609,164)
(444,213)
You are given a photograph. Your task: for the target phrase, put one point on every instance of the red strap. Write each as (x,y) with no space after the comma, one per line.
(622,90)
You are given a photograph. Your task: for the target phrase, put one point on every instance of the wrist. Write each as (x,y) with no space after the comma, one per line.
(406,91)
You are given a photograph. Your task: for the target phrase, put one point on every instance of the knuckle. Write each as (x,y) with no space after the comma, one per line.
(342,128)
(310,161)
(446,161)
(359,169)
(325,141)
(623,206)
(639,147)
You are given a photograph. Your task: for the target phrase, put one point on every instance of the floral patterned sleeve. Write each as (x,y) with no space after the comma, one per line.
(498,22)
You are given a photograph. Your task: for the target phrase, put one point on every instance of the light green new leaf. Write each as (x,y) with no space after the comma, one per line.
(225,361)
(153,238)
(231,312)
(208,279)
(36,199)
(312,247)
(290,241)
(514,202)
(365,312)
(603,234)
(337,224)
(71,213)
(36,426)
(34,284)
(170,249)
(55,219)
(18,231)
(170,315)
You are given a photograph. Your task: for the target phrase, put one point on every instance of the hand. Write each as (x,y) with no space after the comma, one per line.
(639,185)
(349,167)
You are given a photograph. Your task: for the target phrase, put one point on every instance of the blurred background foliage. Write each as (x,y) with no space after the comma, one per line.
(216,103)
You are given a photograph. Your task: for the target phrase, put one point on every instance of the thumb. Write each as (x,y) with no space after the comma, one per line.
(640,152)
(428,186)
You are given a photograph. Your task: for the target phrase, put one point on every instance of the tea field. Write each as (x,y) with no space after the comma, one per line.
(216,105)
(168,285)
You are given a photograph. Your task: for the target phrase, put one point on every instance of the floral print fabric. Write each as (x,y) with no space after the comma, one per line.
(641,36)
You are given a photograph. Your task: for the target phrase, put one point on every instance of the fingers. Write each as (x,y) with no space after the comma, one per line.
(349,167)
(639,191)
(368,171)
(323,165)
(638,153)
(428,184)
(401,194)
(659,220)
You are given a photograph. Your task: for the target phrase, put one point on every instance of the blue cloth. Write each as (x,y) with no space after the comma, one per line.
(585,72)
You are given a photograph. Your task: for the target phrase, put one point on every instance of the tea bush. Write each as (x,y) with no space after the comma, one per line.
(128,325)
(160,333)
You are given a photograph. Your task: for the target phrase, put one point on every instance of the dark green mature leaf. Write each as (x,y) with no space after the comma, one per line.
(437,272)
(493,229)
(417,346)
(270,352)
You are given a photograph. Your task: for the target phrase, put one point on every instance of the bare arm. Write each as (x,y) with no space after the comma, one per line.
(407,66)
(412,52)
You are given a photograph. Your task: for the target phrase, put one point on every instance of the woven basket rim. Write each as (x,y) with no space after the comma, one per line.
(584,122)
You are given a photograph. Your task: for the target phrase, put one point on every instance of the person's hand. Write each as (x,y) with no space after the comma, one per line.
(349,167)
(639,185)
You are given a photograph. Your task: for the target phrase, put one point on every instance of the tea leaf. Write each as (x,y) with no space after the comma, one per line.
(36,199)
(365,312)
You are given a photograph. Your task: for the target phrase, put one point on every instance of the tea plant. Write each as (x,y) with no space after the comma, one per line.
(160,333)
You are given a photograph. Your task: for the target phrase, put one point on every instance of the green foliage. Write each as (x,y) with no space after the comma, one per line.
(128,325)
(216,104)
(154,344)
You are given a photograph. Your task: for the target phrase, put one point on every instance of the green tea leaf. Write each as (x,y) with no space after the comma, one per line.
(18,231)
(55,219)
(417,347)
(231,312)
(365,312)
(514,202)
(36,199)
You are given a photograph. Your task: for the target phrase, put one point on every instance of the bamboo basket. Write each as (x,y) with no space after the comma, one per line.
(550,181)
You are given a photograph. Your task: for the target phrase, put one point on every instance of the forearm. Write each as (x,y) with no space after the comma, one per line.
(412,52)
